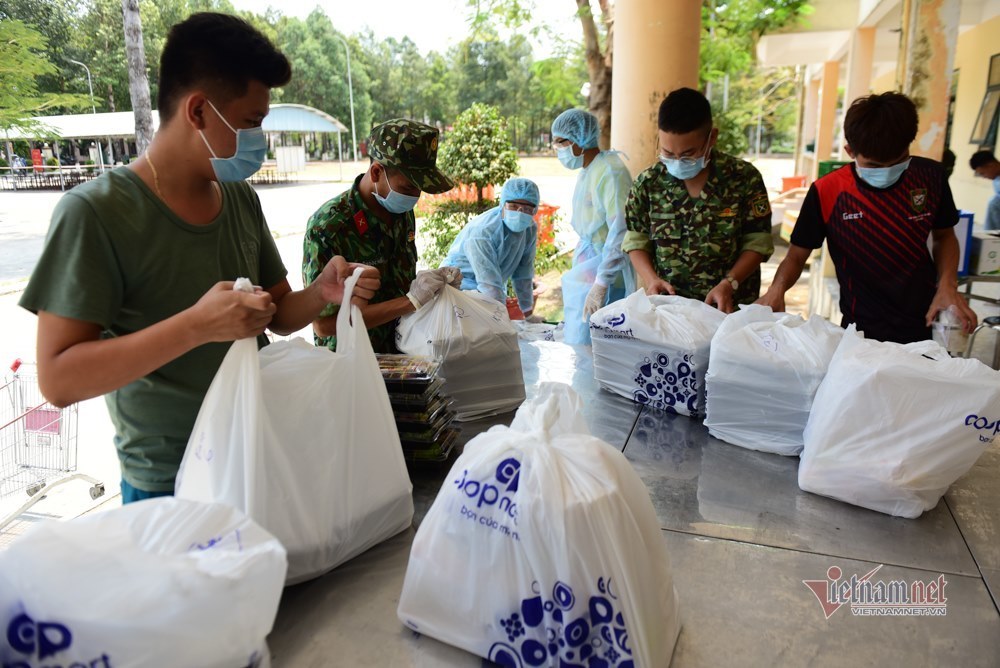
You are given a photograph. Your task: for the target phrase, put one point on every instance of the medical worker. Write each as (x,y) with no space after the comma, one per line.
(498,246)
(601,271)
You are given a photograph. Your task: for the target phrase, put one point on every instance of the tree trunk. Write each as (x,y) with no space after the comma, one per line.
(598,65)
(138,87)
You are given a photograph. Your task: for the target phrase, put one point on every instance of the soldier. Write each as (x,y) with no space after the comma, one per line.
(374,220)
(704,214)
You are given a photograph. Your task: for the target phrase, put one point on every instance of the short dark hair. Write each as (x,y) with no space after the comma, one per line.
(980,158)
(683,111)
(221,53)
(881,127)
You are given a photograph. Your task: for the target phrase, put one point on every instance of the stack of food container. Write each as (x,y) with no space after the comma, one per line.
(423,412)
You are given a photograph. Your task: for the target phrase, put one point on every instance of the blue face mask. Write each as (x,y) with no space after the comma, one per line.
(395,202)
(517,221)
(882,177)
(996,185)
(251,149)
(686,168)
(568,160)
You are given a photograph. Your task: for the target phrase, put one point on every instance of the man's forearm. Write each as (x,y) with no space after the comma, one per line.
(643,265)
(946,259)
(92,368)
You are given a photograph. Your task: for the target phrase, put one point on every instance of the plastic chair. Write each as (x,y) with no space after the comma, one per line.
(992,322)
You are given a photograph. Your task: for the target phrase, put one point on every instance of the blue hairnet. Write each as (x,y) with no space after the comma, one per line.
(578,126)
(521,189)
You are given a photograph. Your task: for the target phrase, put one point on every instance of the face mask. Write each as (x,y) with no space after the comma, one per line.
(395,202)
(882,177)
(686,168)
(517,221)
(251,149)
(996,185)
(568,160)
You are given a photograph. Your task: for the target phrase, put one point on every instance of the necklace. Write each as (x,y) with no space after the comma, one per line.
(156,177)
(216,188)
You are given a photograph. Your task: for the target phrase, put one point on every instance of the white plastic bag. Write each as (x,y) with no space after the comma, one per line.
(893,426)
(654,350)
(764,370)
(303,440)
(477,345)
(543,547)
(161,582)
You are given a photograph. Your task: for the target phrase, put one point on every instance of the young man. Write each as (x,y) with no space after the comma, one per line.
(134,287)
(373,222)
(499,245)
(876,216)
(699,220)
(986,166)
(601,272)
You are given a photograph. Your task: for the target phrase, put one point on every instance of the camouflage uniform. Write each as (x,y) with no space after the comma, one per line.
(696,241)
(346,226)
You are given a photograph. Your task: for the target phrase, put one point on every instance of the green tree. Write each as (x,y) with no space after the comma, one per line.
(22,62)
(477,151)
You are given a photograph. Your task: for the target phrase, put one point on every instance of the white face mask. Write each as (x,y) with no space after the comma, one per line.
(395,202)
(568,159)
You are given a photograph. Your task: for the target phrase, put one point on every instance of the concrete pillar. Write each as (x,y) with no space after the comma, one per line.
(859,73)
(924,69)
(655,52)
(827,113)
(810,114)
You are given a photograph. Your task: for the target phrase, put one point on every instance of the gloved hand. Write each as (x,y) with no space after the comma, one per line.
(452,276)
(425,286)
(595,300)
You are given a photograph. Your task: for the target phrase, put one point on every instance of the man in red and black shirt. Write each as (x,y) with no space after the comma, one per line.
(876,216)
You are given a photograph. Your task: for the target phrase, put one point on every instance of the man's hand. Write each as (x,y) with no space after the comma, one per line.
(773,298)
(659,287)
(224,314)
(336,272)
(594,301)
(425,286)
(946,296)
(721,297)
(452,276)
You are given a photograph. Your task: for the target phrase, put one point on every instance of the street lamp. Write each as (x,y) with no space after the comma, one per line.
(350,92)
(90,85)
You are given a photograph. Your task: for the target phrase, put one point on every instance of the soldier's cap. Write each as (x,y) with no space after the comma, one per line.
(411,148)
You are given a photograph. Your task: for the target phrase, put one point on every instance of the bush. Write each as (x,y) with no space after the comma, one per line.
(548,256)
(477,151)
(52,162)
(443,223)
(3,163)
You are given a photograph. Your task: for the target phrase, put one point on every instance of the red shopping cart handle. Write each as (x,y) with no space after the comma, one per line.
(16,365)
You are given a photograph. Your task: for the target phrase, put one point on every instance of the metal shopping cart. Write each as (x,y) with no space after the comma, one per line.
(37,441)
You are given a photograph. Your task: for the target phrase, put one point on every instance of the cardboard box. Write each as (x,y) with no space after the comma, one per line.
(985,254)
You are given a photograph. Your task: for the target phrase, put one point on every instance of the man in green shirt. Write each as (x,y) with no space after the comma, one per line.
(133,290)
(373,222)
(699,221)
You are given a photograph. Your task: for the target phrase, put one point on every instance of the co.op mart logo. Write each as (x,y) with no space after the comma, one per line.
(983,424)
(489,497)
(42,640)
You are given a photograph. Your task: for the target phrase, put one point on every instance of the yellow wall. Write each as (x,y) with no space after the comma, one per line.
(972,60)
(884,83)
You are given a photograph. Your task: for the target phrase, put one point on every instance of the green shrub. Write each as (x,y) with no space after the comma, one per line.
(52,162)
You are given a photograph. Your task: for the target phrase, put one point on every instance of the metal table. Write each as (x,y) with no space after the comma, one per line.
(742,539)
